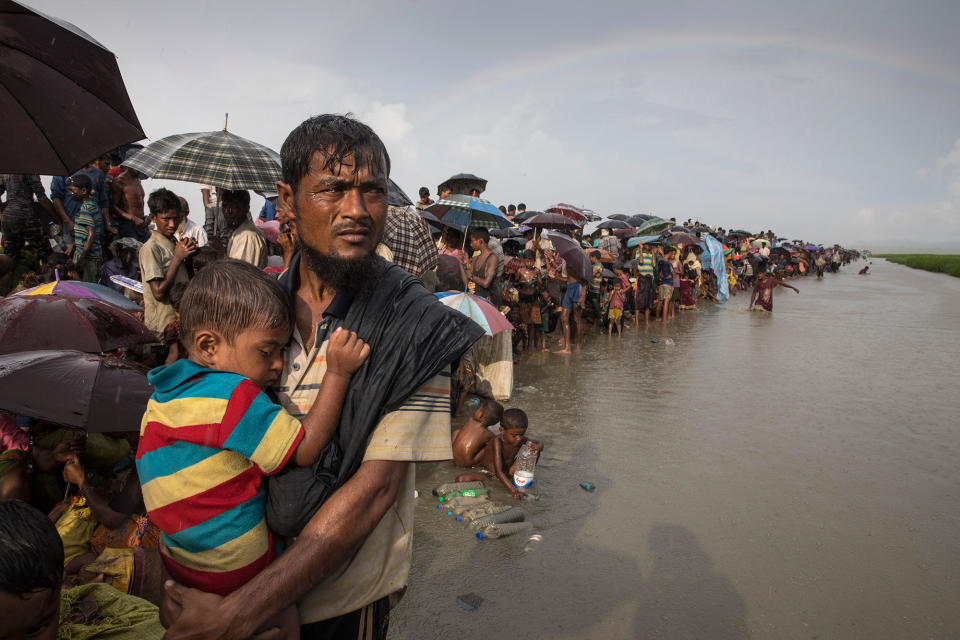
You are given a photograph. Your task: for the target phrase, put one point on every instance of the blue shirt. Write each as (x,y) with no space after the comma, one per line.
(58,190)
(268,211)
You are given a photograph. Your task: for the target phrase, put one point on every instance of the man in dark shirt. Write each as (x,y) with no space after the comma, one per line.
(21,221)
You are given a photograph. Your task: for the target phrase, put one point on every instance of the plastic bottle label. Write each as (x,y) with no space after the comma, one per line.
(522,478)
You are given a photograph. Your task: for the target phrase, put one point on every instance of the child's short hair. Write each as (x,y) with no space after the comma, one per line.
(595,254)
(232,296)
(491,410)
(205,256)
(529,254)
(81,181)
(514,419)
(163,200)
(32,552)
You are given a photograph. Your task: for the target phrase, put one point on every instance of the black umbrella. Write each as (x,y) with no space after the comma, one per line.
(613,224)
(618,216)
(61,95)
(526,215)
(464,184)
(395,195)
(551,221)
(638,219)
(74,389)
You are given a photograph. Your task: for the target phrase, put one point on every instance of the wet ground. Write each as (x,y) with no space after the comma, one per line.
(792,475)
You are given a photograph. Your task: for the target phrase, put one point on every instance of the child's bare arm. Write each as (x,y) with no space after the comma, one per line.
(345,353)
(499,471)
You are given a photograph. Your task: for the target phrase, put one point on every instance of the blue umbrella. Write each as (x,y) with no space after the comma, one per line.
(633,242)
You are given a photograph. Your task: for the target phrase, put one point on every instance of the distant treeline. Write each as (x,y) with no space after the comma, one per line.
(926,261)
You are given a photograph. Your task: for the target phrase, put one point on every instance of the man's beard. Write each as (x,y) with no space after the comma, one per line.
(348,276)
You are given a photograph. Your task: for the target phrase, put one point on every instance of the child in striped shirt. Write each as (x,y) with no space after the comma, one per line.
(210,434)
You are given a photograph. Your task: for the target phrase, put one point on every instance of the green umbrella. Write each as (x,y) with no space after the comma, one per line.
(653,226)
(761,242)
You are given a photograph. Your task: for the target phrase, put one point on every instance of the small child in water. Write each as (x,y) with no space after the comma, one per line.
(475,445)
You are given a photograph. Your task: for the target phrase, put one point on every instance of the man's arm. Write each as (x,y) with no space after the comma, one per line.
(784,284)
(332,536)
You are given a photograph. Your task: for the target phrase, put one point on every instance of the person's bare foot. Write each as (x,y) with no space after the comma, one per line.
(576,349)
(564,351)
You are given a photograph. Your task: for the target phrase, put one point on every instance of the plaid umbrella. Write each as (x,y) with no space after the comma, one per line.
(406,234)
(468,211)
(219,158)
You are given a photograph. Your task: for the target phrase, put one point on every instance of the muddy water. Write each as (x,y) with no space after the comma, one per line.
(792,475)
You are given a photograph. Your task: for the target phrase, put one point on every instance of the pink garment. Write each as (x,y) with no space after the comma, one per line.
(12,436)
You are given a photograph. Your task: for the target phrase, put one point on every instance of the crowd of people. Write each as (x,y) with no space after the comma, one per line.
(299,368)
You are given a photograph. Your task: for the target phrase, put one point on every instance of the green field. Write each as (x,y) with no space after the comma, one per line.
(927,261)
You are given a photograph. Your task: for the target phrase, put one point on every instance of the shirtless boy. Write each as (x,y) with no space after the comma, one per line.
(498,454)
(470,441)
(126,205)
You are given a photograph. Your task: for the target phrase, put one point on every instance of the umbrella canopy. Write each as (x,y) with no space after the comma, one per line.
(569,211)
(29,323)
(97,393)
(405,233)
(652,226)
(511,232)
(84,290)
(613,224)
(702,229)
(578,264)
(477,309)
(638,219)
(61,95)
(395,195)
(618,216)
(654,239)
(467,211)
(464,184)
(526,215)
(551,221)
(219,158)
(811,247)
(761,242)
(677,237)
(435,222)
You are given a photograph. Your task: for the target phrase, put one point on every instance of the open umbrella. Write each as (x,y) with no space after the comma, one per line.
(465,184)
(477,309)
(84,290)
(653,239)
(677,237)
(526,215)
(760,242)
(97,393)
(652,226)
(618,216)
(220,158)
(29,323)
(468,211)
(61,95)
(396,196)
(578,264)
(613,224)
(569,211)
(551,221)
(639,218)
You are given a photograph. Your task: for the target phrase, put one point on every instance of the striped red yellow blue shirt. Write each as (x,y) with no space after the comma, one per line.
(206,441)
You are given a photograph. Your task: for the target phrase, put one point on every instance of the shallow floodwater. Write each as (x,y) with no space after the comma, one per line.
(792,475)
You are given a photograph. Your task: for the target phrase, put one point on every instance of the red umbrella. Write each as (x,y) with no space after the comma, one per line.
(97,393)
(568,211)
(28,323)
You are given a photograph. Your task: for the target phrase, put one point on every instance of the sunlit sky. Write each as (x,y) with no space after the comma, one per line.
(823,122)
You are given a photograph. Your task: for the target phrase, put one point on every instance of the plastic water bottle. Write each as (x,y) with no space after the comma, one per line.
(535,538)
(526,461)
(503,530)
(514,514)
(450,487)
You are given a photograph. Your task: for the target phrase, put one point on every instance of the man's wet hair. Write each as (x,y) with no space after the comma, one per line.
(424,192)
(514,419)
(511,207)
(235,195)
(335,138)
(491,410)
(521,206)
(480,232)
(163,200)
(31,552)
(231,296)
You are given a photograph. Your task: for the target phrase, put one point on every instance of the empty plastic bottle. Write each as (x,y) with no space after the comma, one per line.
(535,538)
(503,530)
(526,461)
(484,509)
(464,493)
(514,514)
(450,487)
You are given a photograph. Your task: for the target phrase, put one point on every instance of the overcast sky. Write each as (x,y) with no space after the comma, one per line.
(822,122)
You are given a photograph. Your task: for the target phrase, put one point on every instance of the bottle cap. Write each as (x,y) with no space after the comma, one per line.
(479,535)
(459,518)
